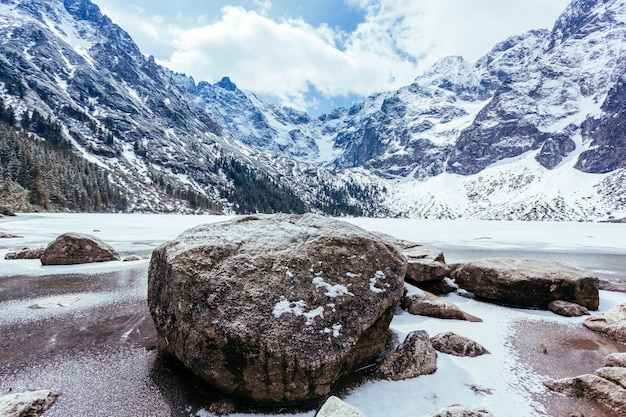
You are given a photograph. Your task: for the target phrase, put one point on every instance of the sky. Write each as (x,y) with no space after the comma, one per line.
(316,55)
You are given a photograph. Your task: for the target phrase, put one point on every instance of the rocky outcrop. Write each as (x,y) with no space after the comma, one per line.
(611,323)
(78,248)
(528,282)
(424,303)
(457,410)
(25,254)
(27,404)
(6,235)
(334,407)
(412,358)
(275,309)
(567,309)
(607,386)
(456,345)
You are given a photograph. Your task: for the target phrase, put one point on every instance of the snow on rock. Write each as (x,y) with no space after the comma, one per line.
(334,407)
(240,304)
(27,404)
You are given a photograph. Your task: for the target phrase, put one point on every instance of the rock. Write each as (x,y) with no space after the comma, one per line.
(595,388)
(223,407)
(412,358)
(27,404)
(424,263)
(615,285)
(132,258)
(567,309)
(25,254)
(456,345)
(457,410)
(334,407)
(77,248)
(274,309)
(612,322)
(528,282)
(5,235)
(424,303)
(616,359)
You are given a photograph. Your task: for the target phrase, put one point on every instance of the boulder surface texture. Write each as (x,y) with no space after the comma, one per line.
(27,404)
(458,410)
(412,358)
(274,309)
(334,407)
(612,323)
(453,344)
(77,248)
(528,282)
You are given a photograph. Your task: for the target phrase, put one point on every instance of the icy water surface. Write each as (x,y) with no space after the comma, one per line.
(86,332)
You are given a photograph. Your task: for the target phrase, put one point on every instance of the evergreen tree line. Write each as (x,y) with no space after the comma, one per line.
(196,200)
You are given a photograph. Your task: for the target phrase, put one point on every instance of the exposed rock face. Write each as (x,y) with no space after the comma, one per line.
(456,345)
(616,359)
(27,404)
(334,407)
(78,248)
(274,309)
(460,411)
(567,309)
(612,323)
(25,254)
(528,282)
(424,303)
(412,358)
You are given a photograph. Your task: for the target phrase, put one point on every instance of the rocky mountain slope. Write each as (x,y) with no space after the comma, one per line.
(533,130)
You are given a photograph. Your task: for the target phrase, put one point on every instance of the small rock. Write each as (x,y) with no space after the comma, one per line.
(611,323)
(25,254)
(616,359)
(223,407)
(132,258)
(424,303)
(334,407)
(77,248)
(567,309)
(27,404)
(457,410)
(5,235)
(456,345)
(412,358)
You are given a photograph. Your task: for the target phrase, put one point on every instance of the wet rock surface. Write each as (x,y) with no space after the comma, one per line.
(274,309)
(528,282)
(78,248)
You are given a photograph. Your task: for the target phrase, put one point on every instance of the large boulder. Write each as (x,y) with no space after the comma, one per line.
(275,309)
(528,282)
(77,248)
(412,358)
(611,323)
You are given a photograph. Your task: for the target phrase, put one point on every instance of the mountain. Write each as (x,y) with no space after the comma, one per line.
(534,130)
(66,62)
(521,134)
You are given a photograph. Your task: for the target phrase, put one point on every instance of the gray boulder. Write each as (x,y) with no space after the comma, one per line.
(25,254)
(528,282)
(611,323)
(334,407)
(412,358)
(77,248)
(453,344)
(275,309)
(567,309)
(457,410)
(27,404)
(424,303)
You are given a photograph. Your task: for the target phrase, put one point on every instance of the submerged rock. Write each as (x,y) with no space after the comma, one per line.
(611,323)
(412,358)
(528,282)
(78,248)
(453,344)
(27,404)
(275,309)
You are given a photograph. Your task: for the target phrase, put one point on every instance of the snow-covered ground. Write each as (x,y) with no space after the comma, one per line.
(508,381)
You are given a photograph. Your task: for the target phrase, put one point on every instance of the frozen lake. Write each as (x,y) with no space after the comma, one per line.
(85,330)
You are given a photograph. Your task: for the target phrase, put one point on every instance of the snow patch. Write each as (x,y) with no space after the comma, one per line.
(332,291)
